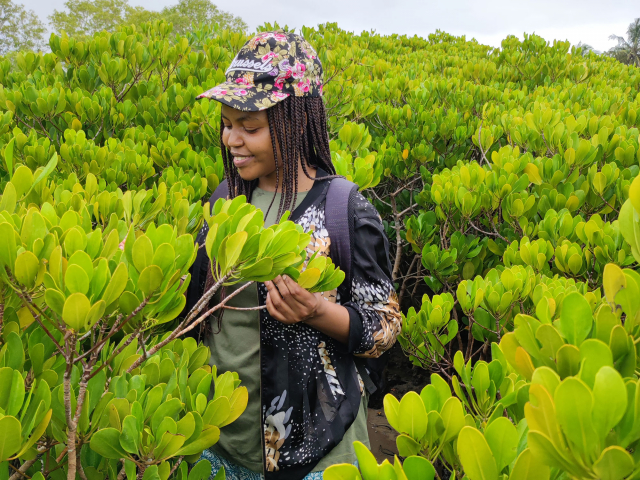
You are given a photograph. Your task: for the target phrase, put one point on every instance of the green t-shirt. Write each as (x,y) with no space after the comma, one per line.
(236,348)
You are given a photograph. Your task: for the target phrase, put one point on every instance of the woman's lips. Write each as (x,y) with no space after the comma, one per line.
(240,162)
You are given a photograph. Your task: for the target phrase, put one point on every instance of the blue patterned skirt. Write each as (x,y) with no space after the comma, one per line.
(238,472)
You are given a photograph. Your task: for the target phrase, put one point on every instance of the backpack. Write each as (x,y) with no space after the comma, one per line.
(339,222)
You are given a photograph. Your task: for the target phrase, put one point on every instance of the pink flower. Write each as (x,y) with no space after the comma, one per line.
(279,83)
(298,70)
(279,95)
(241,92)
(304,85)
(218,91)
(268,56)
(242,81)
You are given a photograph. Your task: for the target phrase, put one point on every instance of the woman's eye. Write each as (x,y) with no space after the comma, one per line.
(251,130)
(227,126)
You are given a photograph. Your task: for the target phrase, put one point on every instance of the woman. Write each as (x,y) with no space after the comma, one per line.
(307,401)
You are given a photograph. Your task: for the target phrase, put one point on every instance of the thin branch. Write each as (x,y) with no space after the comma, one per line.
(480,145)
(404,187)
(229,307)
(20,472)
(187,325)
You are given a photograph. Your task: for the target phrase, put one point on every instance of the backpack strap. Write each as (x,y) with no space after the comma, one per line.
(201,264)
(339,221)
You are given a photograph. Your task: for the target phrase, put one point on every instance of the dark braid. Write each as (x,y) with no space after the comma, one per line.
(301,138)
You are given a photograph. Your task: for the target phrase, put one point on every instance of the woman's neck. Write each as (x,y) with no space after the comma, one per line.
(305,183)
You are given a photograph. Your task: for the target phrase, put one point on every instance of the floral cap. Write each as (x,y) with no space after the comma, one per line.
(270,67)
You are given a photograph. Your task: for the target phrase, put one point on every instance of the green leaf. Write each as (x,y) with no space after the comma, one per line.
(609,400)
(116,285)
(342,472)
(129,435)
(76,280)
(575,319)
(55,300)
(309,277)
(615,463)
(238,401)
(200,471)
(407,446)
(151,473)
(418,468)
(209,436)
(8,155)
(95,313)
(10,437)
(230,250)
(106,442)
(46,171)
(36,434)
(412,418)
(391,411)
(75,310)
(502,437)
(528,468)
(26,269)
(594,355)
(7,246)
(217,412)
(452,417)
(574,403)
(16,390)
(150,279)
(366,461)
(22,179)
(14,358)
(476,456)
(142,253)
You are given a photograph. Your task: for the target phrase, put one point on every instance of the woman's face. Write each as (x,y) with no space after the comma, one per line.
(246,135)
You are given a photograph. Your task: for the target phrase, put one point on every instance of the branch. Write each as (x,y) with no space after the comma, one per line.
(397,227)
(187,325)
(480,145)
(404,187)
(20,472)
(117,326)
(229,307)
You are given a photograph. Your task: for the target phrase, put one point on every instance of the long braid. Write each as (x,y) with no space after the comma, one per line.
(299,126)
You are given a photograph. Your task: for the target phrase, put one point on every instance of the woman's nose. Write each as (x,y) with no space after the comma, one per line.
(235,139)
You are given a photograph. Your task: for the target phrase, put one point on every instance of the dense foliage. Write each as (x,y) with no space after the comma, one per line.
(506,179)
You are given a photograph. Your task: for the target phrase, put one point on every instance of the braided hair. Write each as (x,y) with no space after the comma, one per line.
(310,147)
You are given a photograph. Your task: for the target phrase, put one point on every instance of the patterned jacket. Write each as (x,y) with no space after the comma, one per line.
(311,389)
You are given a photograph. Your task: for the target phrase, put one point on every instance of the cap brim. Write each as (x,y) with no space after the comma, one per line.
(243,97)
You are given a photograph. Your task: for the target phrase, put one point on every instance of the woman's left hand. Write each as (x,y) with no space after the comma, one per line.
(289,303)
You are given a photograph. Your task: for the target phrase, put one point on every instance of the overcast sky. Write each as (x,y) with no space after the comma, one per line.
(489,21)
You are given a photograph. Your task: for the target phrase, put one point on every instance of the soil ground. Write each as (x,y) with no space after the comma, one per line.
(401,376)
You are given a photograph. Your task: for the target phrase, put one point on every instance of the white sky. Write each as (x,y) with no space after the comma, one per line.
(489,21)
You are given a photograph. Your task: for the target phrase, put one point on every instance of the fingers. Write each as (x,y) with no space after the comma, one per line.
(278,309)
(283,287)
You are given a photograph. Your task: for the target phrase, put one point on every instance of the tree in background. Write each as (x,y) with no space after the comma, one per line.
(628,50)
(84,18)
(20,29)
(188,12)
(585,49)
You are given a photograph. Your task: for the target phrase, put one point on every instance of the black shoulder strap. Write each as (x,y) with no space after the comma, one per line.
(339,221)
(201,263)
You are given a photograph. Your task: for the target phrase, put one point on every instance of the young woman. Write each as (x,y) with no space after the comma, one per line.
(307,400)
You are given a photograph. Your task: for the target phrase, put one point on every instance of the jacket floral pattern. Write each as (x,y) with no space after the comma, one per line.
(311,389)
